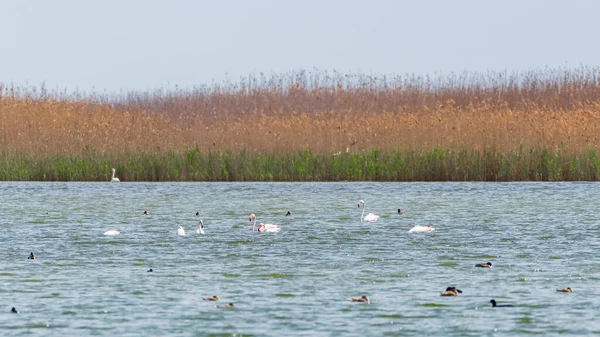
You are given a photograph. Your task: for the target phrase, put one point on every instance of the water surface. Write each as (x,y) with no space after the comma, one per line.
(539,237)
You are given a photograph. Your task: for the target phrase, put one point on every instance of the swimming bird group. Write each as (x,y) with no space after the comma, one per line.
(449,291)
(453,291)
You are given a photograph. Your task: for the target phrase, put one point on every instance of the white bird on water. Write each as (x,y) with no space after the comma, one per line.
(264,227)
(200,229)
(422,229)
(370,217)
(113,232)
(113,179)
(180,231)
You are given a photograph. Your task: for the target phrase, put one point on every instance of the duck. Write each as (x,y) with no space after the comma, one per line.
(149,270)
(14,310)
(145,213)
(227,305)
(565,290)
(451,291)
(31,256)
(288,213)
(211,298)
(494,305)
(197,213)
(484,265)
(362,299)
(400,211)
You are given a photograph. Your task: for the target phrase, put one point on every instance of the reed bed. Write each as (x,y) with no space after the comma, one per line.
(435,165)
(536,125)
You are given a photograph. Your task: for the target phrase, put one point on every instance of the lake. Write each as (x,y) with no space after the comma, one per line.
(539,236)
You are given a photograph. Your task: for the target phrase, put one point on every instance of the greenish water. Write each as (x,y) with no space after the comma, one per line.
(539,237)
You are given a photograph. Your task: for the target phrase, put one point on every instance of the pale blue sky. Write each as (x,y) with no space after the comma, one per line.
(144,44)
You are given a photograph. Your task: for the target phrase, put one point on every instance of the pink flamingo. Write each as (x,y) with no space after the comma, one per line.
(264,227)
(370,217)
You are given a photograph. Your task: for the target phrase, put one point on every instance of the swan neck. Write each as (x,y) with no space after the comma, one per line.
(363,213)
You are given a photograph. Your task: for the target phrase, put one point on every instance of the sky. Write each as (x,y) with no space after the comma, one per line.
(116,45)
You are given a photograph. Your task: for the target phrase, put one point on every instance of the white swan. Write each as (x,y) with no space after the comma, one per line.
(422,229)
(112,232)
(264,227)
(180,231)
(113,179)
(370,217)
(200,229)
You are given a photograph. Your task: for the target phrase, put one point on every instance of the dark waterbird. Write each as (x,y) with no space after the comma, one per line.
(14,311)
(400,211)
(451,291)
(494,305)
(288,213)
(149,270)
(31,256)
(361,299)
(565,290)
(484,265)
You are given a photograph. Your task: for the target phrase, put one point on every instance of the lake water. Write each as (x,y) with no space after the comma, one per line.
(539,237)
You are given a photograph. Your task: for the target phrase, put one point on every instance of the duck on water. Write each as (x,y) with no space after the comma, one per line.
(494,305)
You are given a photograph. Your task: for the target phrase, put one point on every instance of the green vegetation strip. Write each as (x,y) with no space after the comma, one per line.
(535,164)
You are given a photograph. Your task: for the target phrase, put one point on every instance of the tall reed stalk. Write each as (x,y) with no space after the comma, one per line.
(313,126)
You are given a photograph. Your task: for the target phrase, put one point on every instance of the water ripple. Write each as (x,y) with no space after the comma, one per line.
(539,236)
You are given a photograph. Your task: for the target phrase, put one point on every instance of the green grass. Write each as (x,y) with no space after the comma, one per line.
(535,164)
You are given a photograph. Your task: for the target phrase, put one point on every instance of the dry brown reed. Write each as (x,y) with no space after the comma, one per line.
(324,112)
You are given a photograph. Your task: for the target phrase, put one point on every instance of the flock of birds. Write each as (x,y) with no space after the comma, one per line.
(453,291)
(271,228)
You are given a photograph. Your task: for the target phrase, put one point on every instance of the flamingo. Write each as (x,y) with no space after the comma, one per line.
(200,229)
(264,227)
(113,232)
(370,217)
(113,179)
(180,231)
(422,229)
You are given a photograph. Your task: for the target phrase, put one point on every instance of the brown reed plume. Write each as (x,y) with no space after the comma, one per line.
(321,111)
